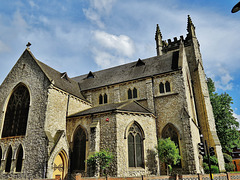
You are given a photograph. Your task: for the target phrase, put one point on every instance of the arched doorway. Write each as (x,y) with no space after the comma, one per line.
(170,131)
(60,165)
(78,155)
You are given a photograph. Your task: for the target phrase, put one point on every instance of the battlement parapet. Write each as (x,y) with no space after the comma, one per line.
(170,44)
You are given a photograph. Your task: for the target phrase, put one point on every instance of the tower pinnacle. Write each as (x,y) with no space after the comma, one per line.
(190,27)
(159,43)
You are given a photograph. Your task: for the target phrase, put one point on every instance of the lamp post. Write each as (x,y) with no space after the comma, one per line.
(236,8)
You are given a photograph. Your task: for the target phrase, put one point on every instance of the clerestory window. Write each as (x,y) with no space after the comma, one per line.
(164,88)
(100,99)
(132,94)
(103,99)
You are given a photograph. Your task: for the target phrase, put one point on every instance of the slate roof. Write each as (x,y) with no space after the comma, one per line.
(130,106)
(131,71)
(60,80)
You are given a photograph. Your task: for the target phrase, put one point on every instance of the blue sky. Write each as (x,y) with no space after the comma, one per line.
(76,36)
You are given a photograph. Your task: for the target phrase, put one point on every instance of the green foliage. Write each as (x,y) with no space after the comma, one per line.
(214,168)
(168,151)
(229,167)
(101,159)
(227,158)
(213,160)
(226,123)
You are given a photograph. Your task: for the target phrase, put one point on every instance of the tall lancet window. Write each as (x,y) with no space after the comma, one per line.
(100,99)
(135,146)
(8,160)
(161,87)
(15,122)
(167,87)
(19,159)
(105,98)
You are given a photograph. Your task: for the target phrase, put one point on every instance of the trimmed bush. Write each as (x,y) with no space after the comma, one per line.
(229,167)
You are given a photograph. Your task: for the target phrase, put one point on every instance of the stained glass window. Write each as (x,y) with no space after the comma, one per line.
(16,116)
(135,147)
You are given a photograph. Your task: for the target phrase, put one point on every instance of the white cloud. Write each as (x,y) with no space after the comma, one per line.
(237,116)
(106,60)
(103,6)
(32,4)
(122,44)
(93,16)
(4,47)
(221,76)
(111,50)
(19,22)
(97,9)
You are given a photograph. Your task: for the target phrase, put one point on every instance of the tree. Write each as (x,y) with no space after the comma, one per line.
(226,123)
(168,152)
(100,160)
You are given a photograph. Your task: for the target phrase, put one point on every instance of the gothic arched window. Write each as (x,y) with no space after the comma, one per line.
(105,98)
(167,87)
(8,160)
(161,87)
(19,159)
(170,131)
(79,151)
(135,147)
(100,99)
(129,94)
(15,123)
(134,93)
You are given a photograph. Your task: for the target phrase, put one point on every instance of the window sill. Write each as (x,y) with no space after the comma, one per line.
(12,137)
(166,94)
(136,169)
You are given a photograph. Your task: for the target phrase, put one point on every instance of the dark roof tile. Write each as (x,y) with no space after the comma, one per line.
(131,71)
(130,106)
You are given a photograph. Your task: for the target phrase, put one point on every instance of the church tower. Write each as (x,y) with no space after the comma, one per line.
(201,95)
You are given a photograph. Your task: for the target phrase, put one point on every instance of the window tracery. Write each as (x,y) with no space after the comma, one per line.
(135,147)
(15,122)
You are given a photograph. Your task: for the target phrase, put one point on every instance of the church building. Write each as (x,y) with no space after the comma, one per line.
(51,123)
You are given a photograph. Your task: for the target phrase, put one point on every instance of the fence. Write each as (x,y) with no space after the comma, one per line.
(222,176)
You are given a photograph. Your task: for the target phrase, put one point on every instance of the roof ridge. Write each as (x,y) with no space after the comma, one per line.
(135,61)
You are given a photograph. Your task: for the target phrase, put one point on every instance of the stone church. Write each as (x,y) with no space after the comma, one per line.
(50,123)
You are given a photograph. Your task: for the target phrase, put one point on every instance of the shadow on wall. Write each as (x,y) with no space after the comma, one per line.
(152,162)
